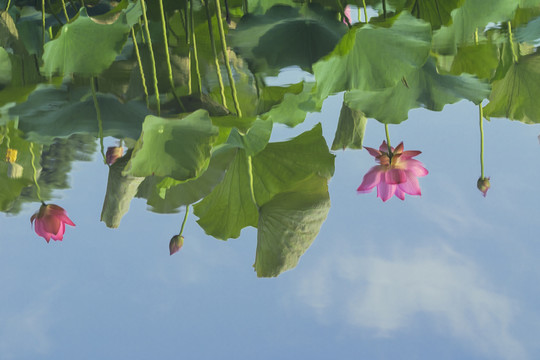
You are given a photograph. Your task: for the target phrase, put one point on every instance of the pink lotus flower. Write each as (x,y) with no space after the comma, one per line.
(397,173)
(51,222)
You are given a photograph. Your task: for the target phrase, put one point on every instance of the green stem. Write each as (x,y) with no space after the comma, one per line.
(245,7)
(156,89)
(137,53)
(8,4)
(188,42)
(34,172)
(65,10)
(481,113)
(185,219)
(512,46)
(387,137)
(43,22)
(194,47)
(226,56)
(216,61)
(365,11)
(99,119)
(250,174)
(168,56)
(53,14)
(384,8)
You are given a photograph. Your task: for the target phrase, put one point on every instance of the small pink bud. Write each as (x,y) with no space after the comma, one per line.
(483,185)
(113,153)
(176,243)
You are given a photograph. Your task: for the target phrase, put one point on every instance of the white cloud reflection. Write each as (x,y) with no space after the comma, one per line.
(389,294)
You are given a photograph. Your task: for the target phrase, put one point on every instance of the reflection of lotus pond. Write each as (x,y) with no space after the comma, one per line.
(246,154)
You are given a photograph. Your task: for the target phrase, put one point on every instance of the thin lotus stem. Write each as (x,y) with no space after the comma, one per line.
(168,57)
(384,9)
(55,16)
(43,22)
(512,46)
(99,119)
(481,113)
(365,11)
(156,89)
(8,4)
(82,3)
(387,137)
(250,174)
(34,173)
(188,42)
(476,37)
(65,10)
(140,66)
(245,7)
(226,56)
(185,220)
(216,61)
(194,47)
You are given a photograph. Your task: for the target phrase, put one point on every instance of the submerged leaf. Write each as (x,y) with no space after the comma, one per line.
(177,148)
(516,95)
(84,46)
(374,58)
(288,224)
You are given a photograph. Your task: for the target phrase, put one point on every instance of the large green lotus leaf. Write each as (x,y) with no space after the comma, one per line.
(255,139)
(372,58)
(288,224)
(5,67)
(52,112)
(282,165)
(516,95)
(350,130)
(177,148)
(472,15)
(425,87)
(294,107)
(480,60)
(166,195)
(85,47)
(229,207)
(286,36)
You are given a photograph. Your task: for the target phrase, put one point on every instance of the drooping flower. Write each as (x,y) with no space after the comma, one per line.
(176,244)
(113,153)
(397,172)
(483,185)
(50,222)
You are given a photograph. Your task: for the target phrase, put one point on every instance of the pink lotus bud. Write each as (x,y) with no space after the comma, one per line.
(483,185)
(176,243)
(50,222)
(113,153)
